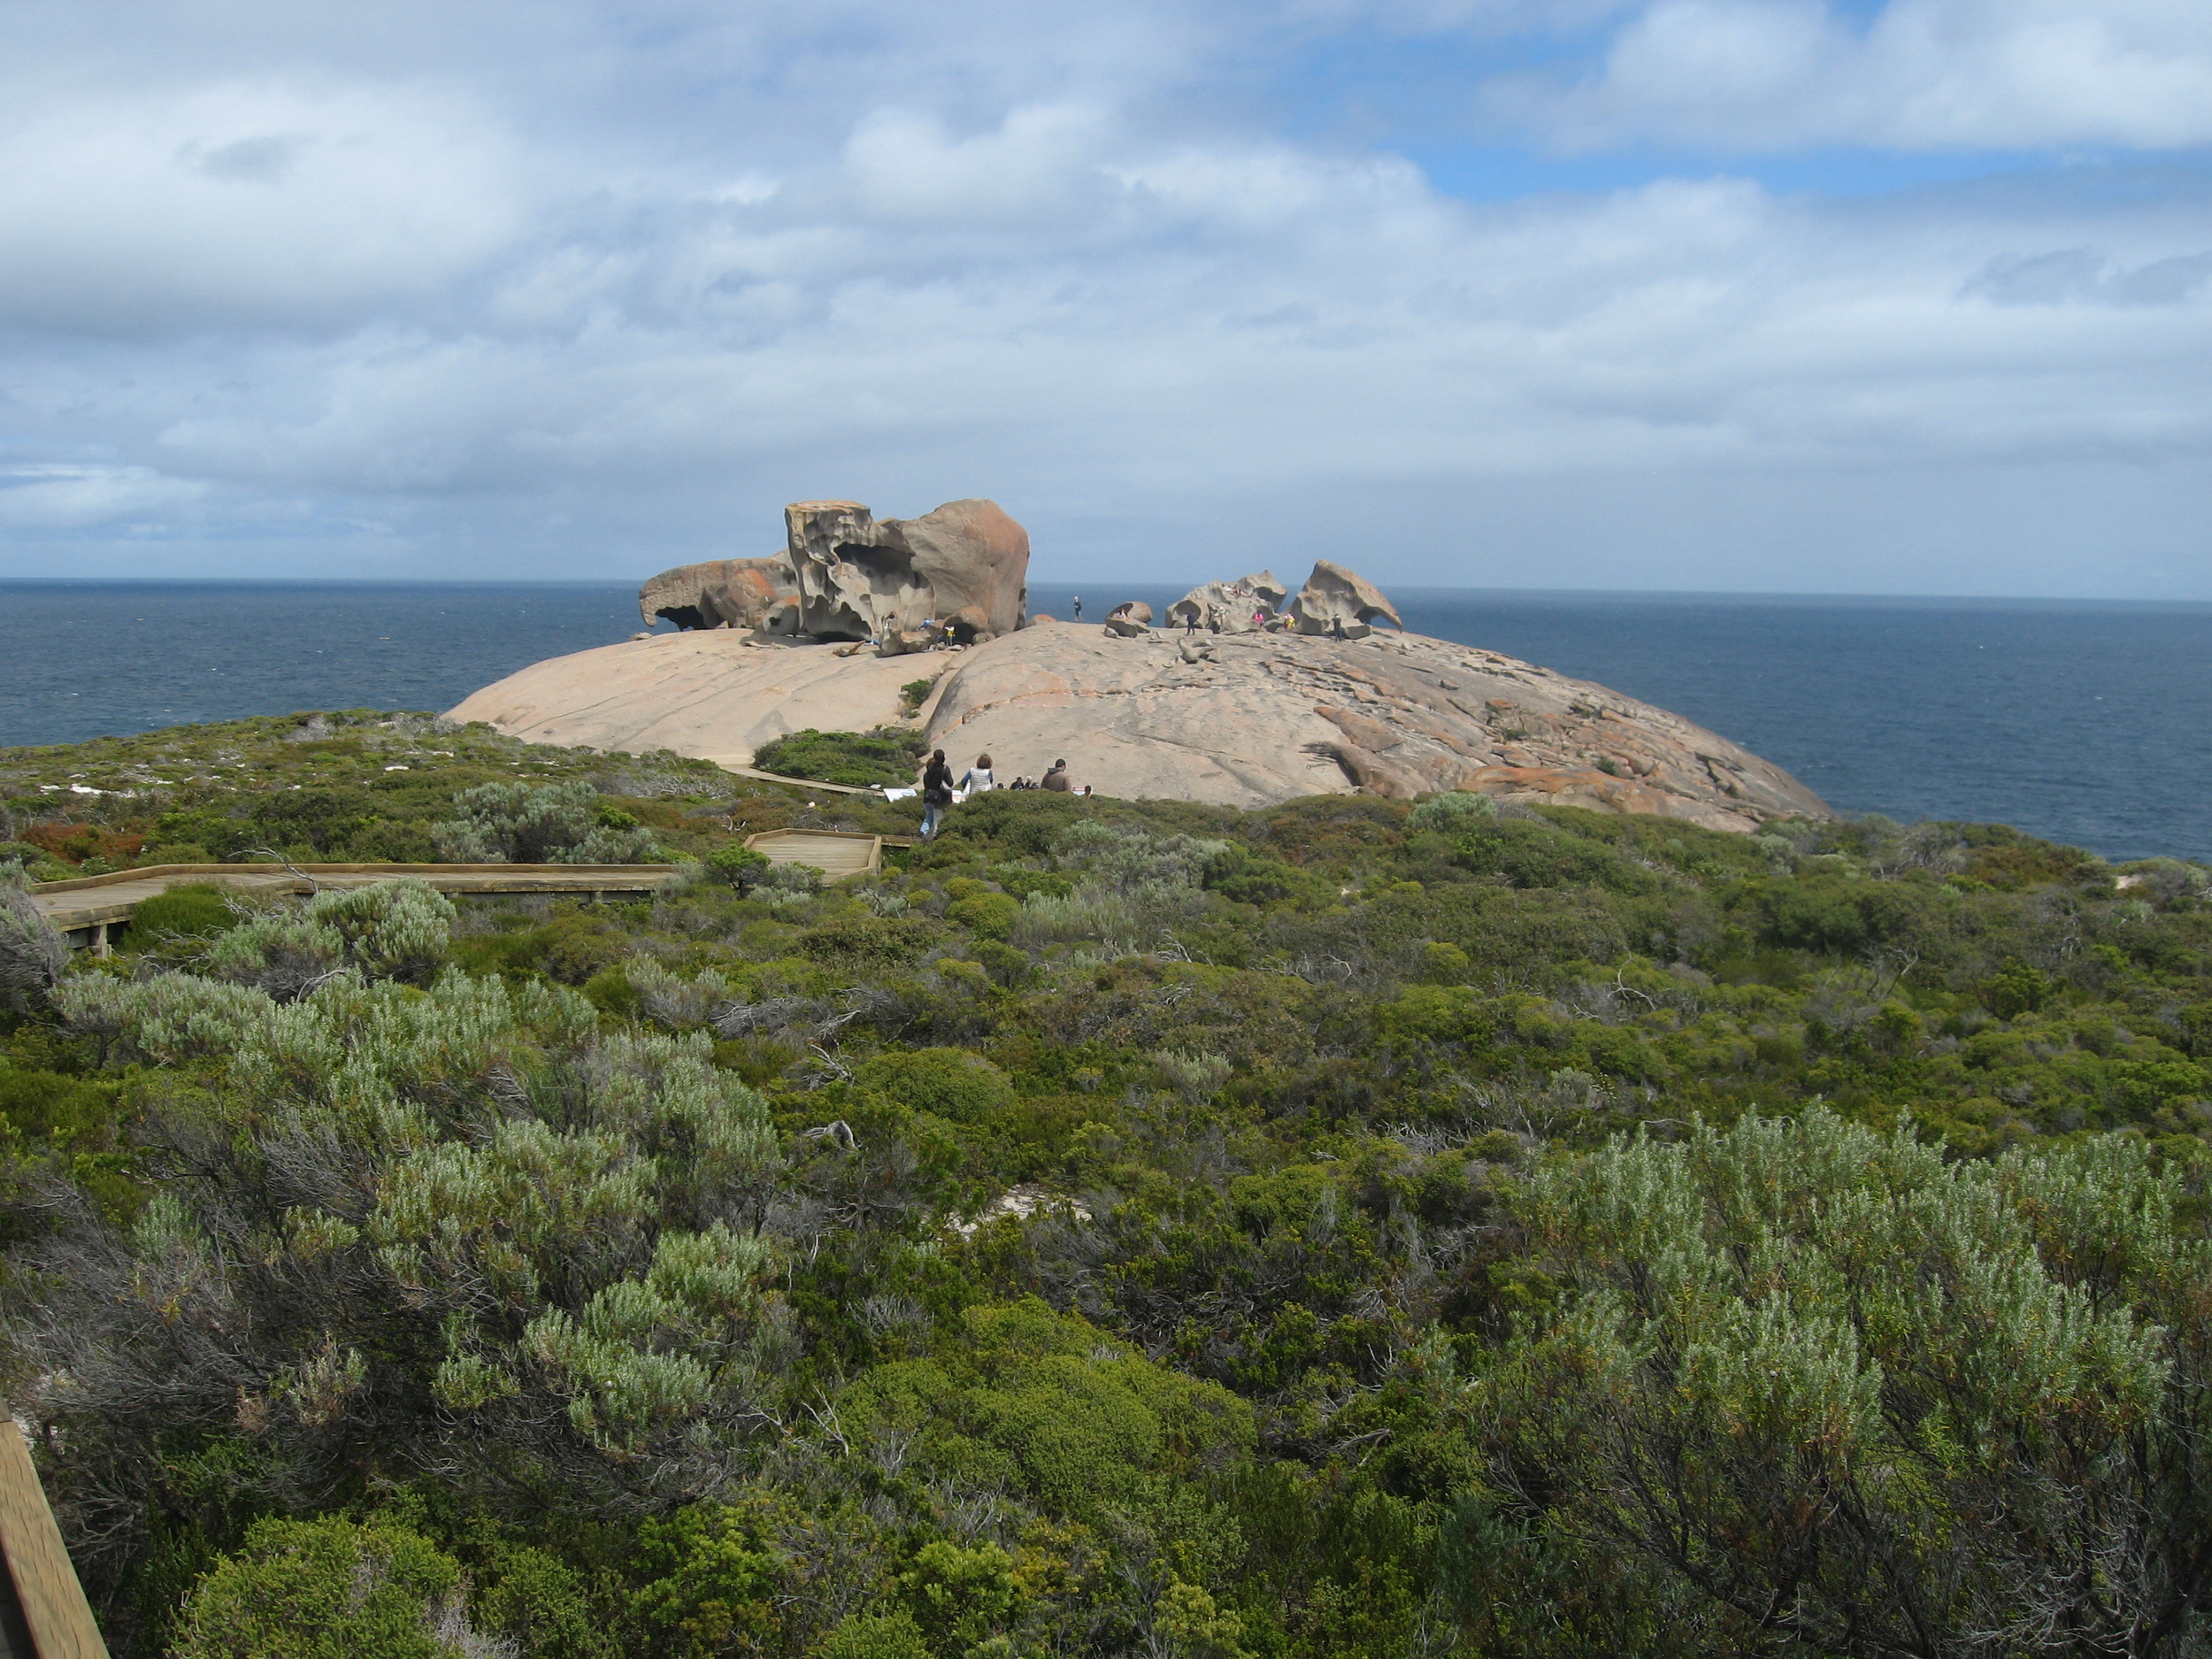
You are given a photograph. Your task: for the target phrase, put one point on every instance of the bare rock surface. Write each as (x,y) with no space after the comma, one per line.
(1268,716)
(1257,718)
(716,695)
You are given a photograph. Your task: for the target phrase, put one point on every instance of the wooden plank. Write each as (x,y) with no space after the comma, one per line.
(841,855)
(55,1613)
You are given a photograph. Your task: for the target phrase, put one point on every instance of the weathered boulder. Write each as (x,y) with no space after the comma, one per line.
(964,567)
(1336,601)
(1229,607)
(1127,621)
(725,594)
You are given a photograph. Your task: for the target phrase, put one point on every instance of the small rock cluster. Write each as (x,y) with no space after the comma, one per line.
(1335,601)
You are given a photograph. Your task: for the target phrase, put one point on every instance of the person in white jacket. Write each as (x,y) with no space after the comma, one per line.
(978,777)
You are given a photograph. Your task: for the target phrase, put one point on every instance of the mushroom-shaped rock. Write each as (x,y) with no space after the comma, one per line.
(967,565)
(1237,607)
(1334,601)
(725,593)
(1129,621)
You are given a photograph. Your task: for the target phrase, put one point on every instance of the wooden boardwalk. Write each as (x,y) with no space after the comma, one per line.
(83,910)
(840,854)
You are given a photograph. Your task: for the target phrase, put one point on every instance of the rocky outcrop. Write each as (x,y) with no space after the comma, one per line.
(750,593)
(963,569)
(1261,718)
(1337,603)
(1128,621)
(1239,720)
(1237,607)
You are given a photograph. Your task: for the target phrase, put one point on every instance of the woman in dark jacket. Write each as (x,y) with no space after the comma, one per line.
(936,792)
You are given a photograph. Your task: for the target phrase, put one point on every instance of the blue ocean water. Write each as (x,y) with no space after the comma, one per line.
(2085,722)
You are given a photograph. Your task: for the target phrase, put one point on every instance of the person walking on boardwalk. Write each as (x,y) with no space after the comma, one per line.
(936,792)
(978,778)
(1056,778)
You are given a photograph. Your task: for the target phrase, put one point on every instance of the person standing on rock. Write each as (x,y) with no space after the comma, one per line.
(936,792)
(978,778)
(1077,607)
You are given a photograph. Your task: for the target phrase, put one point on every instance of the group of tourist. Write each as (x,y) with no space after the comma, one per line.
(938,790)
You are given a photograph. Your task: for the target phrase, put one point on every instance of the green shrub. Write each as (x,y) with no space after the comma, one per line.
(888,755)
(1448,814)
(559,823)
(327,1589)
(951,1083)
(986,915)
(736,864)
(195,910)
(893,1635)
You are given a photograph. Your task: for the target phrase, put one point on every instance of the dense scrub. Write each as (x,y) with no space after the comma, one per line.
(1342,1229)
(888,755)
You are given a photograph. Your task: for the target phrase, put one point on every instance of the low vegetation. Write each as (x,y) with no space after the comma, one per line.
(1352,1228)
(888,755)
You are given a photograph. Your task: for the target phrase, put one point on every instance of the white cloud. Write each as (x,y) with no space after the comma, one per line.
(609,299)
(243,204)
(1923,74)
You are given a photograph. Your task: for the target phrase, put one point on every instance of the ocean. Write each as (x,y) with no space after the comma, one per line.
(2085,722)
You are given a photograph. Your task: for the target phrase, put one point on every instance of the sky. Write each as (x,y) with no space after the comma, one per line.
(1904,296)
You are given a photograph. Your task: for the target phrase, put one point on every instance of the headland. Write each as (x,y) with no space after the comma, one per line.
(1250,697)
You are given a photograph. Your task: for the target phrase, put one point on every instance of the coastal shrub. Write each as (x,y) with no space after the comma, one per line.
(1047,918)
(986,915)
(951,1083)
(389,929)
(329,1589)
(736,864)
(558,824)
(1801,1438)
(32,953)
(1531,855)
(191,909)
(1448,814)
(888,755)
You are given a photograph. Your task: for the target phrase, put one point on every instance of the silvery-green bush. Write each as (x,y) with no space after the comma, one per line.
(558,824)
(1448,814)
(1806,1379)
(463,1226)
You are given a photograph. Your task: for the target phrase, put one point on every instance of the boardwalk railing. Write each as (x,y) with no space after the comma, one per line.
(44,1614)
(83,909)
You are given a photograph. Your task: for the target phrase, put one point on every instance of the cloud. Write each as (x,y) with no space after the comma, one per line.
(49,497)
(2080,276)
(243,204)
(364,293)
(1988,74)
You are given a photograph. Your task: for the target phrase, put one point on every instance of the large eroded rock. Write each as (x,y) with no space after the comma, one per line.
(750,593)
(1255,719)
(964,567)
(1237,607)
(1339,602)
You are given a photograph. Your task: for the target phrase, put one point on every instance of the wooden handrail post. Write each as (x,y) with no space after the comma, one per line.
(43,1584)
